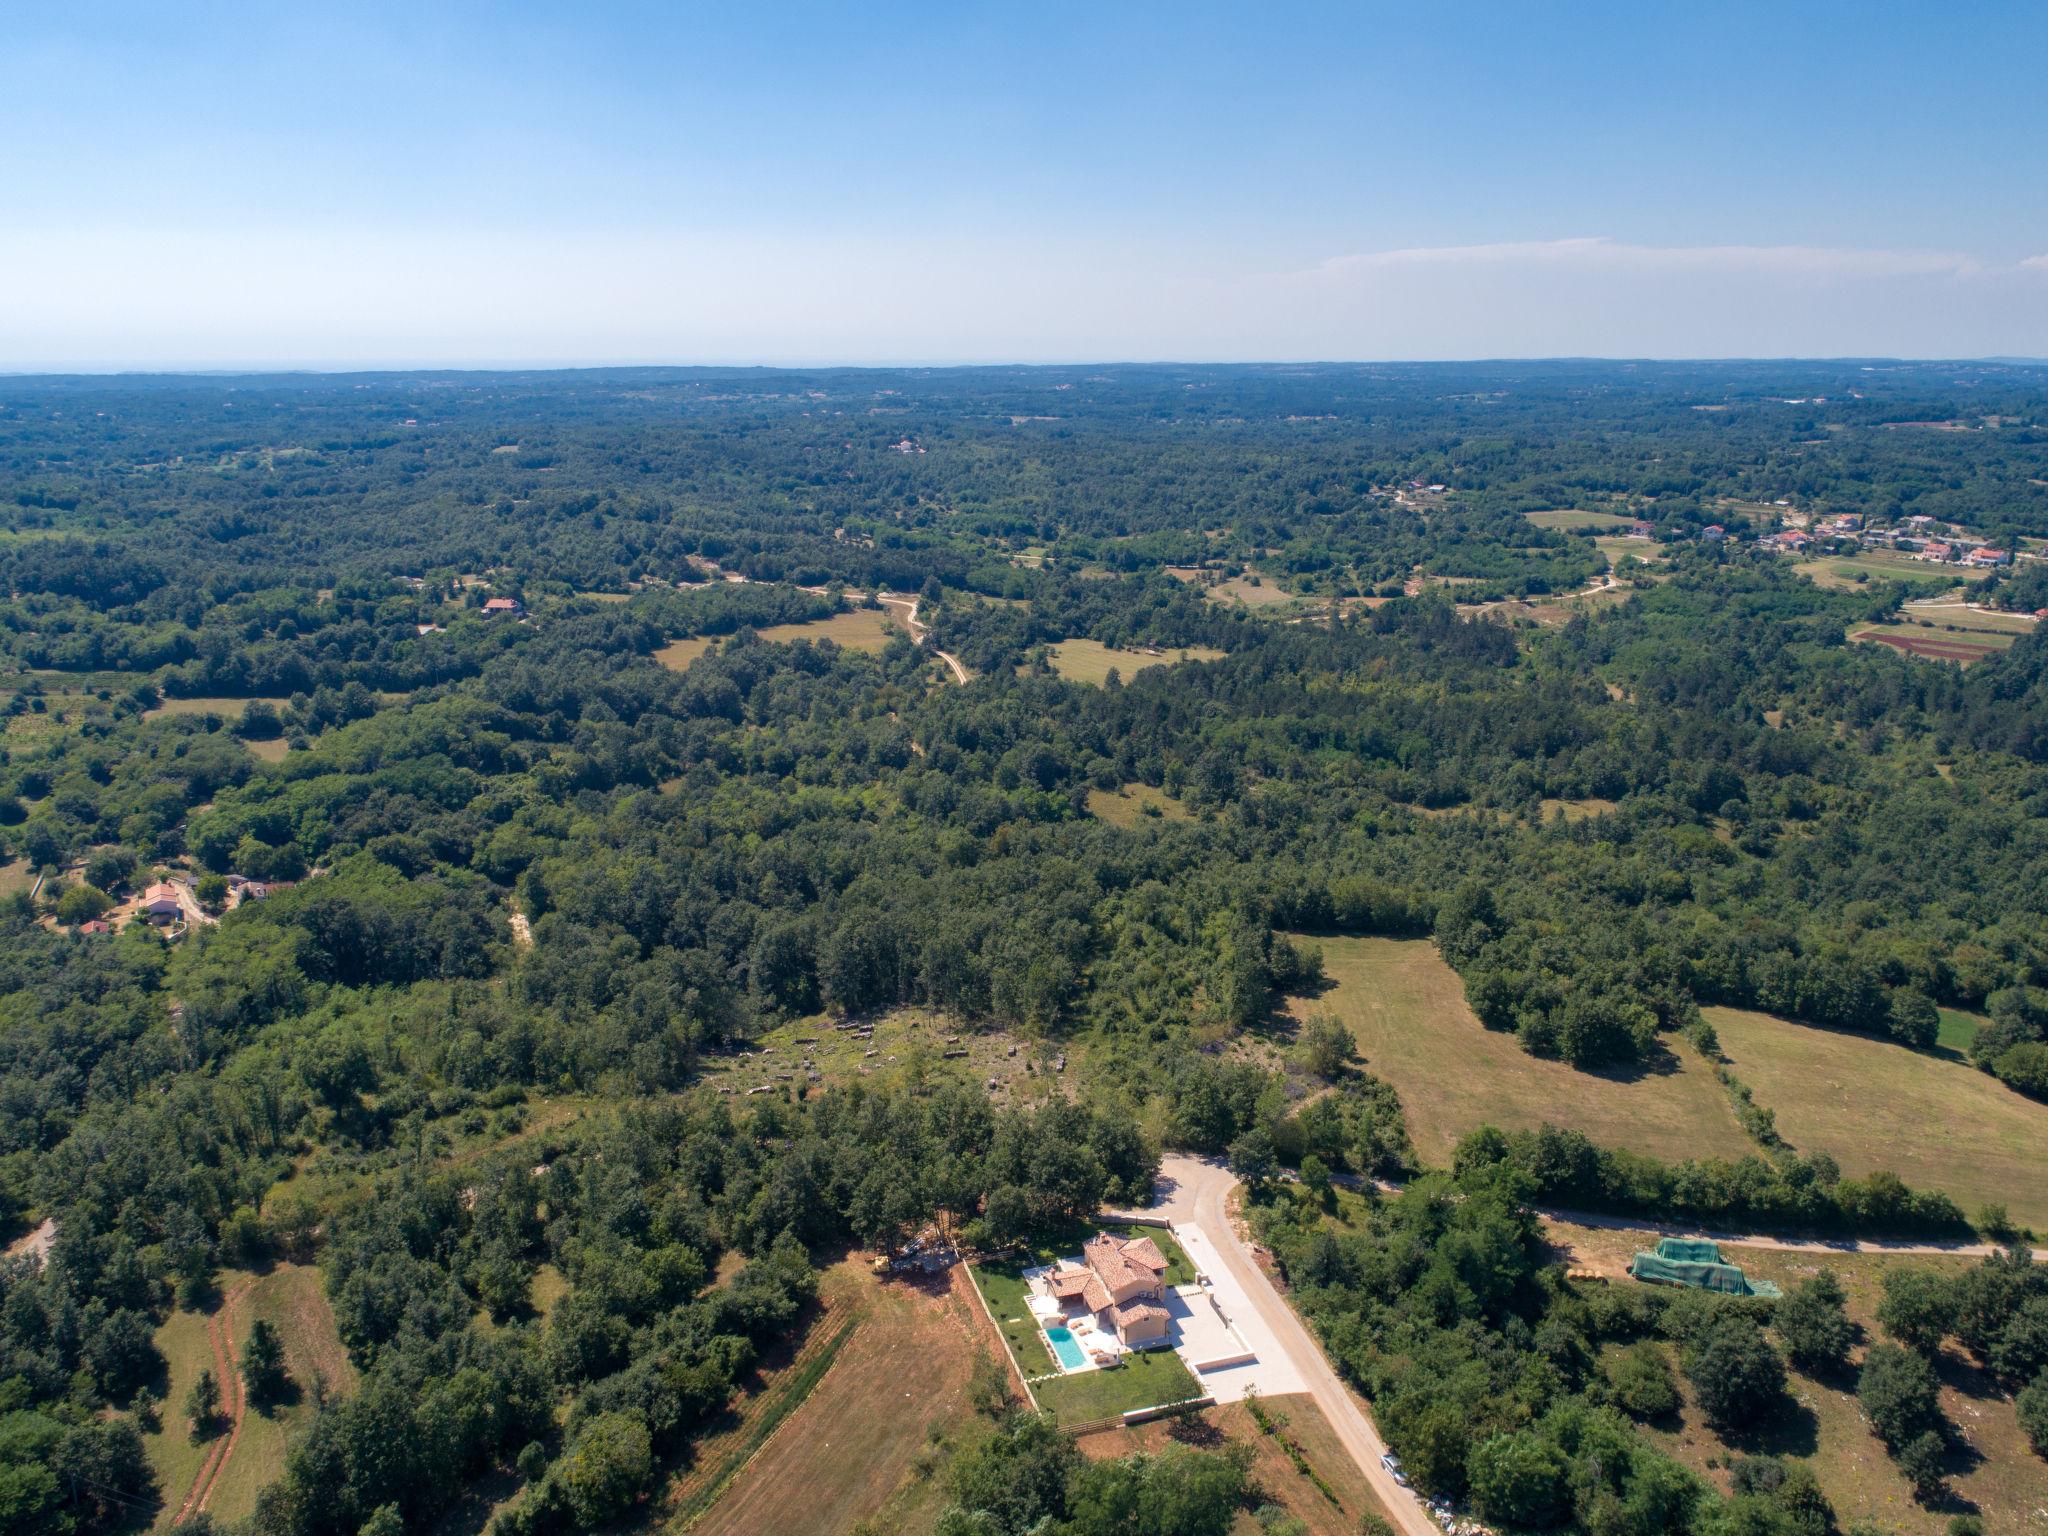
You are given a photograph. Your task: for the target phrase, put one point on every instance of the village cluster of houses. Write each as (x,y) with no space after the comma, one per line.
(1920,536)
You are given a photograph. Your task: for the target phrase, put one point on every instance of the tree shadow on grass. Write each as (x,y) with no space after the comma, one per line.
(1791,1429)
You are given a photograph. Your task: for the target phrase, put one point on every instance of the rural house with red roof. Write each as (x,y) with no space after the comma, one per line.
(1122,1281)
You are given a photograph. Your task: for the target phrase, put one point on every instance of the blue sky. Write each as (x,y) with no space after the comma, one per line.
(212,184)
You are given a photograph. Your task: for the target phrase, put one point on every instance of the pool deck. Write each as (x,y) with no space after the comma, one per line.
(1212,1325)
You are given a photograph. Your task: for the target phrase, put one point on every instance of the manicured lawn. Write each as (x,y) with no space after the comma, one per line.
(1407,1010)
(1002,1284)
(1142,1381)
(1090,661)
(1871,1104)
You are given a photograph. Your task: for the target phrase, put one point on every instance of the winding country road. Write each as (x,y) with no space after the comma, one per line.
(919,632)
(1197,1190)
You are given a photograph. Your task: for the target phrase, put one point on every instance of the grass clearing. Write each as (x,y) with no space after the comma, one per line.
(1960,616)
(273,751)
(678,654)
(1407,1010)
(1859,570)
(868,1441)
(16,875)
(1872,1104)
(1958,1031)
(1577,810)
(1565,517)
(1090,661)
(1134,805)
(920,1041)
(228,709)
(1619,548)
(292,1299)
(1253,594)
(861,629)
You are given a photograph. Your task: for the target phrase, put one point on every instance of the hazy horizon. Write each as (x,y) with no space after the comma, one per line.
(231,186)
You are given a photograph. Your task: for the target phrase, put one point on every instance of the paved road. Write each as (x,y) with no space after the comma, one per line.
(1195,1190)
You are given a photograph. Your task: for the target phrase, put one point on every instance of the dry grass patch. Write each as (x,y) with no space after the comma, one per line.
(868,1441)
(1949,615)
(861,629)
(1872,1104)
(1090,661)
(1407,1010)
(290,1298)
(1577,810)
(1298,1418)
(227,709)
(1844,570)
(678,654)
(1253,594)
(1134,805)
(274,750)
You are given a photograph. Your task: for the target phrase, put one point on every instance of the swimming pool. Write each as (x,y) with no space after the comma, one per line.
(1064,1346)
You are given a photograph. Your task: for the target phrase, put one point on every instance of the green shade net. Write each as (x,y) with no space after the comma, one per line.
(1696,1262)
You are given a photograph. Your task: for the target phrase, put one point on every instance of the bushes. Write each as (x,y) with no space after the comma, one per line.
(1519,1479)
(1899,1395)
(1815,1326)
(1564,1168)
(1736,1375)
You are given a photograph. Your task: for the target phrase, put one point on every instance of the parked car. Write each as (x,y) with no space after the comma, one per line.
(1393,1464)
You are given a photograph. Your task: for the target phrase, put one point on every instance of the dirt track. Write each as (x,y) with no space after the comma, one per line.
(220,1334)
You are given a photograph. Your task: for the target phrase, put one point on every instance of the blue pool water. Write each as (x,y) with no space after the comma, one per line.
(1064,1346)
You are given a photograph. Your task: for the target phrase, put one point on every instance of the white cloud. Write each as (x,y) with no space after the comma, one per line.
(1598,252)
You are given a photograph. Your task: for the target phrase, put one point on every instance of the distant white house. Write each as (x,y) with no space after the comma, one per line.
(160,904)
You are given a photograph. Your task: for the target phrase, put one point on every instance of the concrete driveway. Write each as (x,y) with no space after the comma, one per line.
(1192,1194)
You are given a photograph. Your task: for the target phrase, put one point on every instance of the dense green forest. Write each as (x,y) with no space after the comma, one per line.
(507,856)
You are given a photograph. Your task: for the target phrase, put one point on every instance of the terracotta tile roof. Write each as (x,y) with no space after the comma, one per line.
(1142,1250)
(1137,1312)
(1122,1263)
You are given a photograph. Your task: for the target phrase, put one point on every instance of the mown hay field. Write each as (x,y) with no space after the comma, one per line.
(1871,1104)
(1406,1008)
(1090,661)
